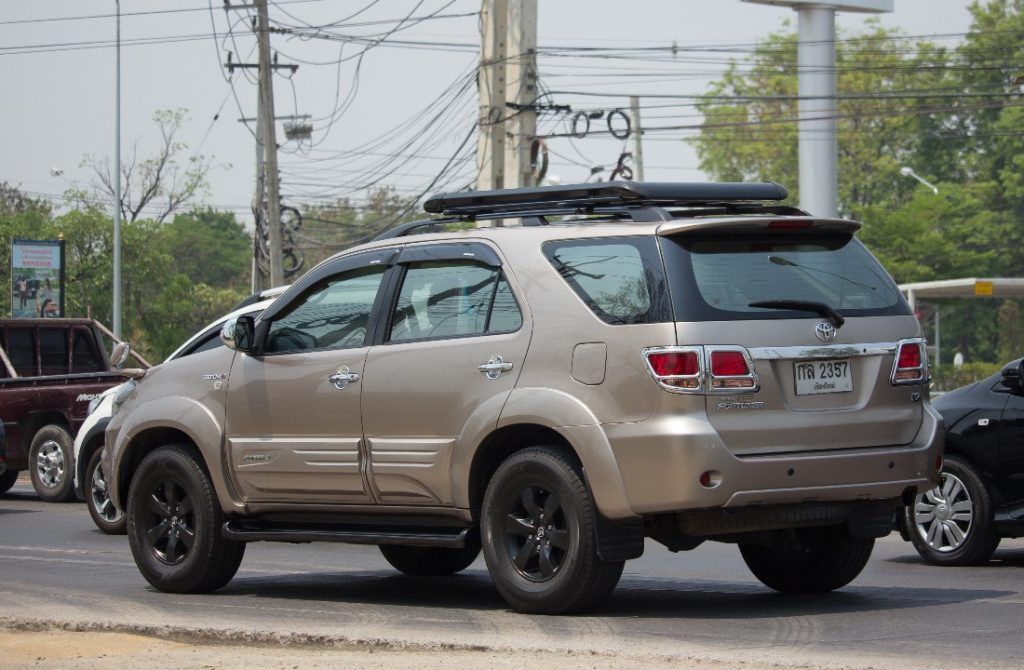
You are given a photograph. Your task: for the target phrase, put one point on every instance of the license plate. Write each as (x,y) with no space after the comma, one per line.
(816,377)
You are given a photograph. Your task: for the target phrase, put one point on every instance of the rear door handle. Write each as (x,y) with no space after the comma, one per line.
(493,368)
(343,377)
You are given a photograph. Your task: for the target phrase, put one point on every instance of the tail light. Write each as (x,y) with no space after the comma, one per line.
(678,369)
(728,369)
(731,370)
(911,365)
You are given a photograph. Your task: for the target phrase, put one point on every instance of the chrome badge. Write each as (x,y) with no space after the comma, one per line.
(825,331)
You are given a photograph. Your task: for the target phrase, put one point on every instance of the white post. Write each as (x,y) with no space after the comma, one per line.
(638,140)
(816,62)
(938,342)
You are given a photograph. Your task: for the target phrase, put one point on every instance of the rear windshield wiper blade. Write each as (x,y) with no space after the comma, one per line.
(806,306)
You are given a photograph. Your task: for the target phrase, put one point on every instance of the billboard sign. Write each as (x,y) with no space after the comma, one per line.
(37,279)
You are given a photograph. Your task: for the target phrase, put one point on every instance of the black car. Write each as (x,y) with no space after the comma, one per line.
(980,499)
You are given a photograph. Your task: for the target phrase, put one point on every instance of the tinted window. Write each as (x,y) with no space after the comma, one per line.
(505,314)
(620,279)
(718,279)
(443,299)
(53,351)
(332,314)
(21,350)
(84,357)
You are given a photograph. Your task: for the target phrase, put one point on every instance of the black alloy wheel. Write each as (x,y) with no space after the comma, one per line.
(536,533)
(169,522)
(538,528)
(174,524)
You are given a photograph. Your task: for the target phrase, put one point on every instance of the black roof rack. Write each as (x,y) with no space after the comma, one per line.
(604,194)
(638,201)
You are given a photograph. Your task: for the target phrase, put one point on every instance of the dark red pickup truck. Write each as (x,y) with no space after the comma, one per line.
(49,371)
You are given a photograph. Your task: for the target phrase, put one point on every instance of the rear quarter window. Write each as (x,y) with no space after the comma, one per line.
(716,279)
(621,279)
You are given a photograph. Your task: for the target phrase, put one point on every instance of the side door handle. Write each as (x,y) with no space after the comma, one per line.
(493,368)
(343,377)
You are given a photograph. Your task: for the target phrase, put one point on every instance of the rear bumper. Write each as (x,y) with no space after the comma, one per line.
(661,461)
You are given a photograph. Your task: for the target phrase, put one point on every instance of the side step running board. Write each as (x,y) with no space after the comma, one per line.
(242,531)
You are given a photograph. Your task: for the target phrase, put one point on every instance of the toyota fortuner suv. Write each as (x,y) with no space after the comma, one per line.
(617,361)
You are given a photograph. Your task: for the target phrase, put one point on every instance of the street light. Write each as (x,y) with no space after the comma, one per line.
(909,172)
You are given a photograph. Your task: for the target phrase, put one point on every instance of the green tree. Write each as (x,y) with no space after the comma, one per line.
(887,117)
(209,247)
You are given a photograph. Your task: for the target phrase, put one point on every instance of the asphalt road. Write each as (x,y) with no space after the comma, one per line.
(56,568)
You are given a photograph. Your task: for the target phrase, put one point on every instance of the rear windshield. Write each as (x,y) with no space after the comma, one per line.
(717,279)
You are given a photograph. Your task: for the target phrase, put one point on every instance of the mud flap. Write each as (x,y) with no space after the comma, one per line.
(873,520)
(619,540)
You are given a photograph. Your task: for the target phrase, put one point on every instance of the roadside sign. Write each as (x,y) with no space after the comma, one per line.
(37,279)
(983,288)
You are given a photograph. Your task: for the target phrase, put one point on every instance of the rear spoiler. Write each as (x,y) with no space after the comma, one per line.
(753,224)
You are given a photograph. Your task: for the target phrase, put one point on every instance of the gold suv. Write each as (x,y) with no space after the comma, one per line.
(682,362)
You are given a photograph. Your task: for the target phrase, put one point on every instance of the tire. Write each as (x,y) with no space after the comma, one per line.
(953,524)
(7,480)
(51,463)
(174,524)
(107,518)
(819,560)
(538,530)
(431,561)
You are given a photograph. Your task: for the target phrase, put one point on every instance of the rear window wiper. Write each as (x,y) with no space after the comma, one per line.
(819,308)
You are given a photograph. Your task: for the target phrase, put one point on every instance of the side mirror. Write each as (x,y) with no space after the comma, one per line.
(237,333)
(120,354)
(1013,375)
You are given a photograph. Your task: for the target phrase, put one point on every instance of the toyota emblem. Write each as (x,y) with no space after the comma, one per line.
(825,331)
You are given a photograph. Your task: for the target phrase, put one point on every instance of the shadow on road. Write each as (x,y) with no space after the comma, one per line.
(634,598)
(1003,558)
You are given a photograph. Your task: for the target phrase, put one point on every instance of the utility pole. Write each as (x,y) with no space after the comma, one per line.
(269,138)
(521,92)
(258,279)
(638,142)
(490,153)
(117,183)
(267,176)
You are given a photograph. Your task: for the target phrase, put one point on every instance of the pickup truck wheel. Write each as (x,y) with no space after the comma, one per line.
(174,525)
(51,463)
(107,518)
(538,527)
(819,560)
(953,524)
(431,561)
(7,480)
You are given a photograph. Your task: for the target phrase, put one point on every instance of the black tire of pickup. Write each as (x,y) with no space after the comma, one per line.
(824,559)
(431,561)
(539,534)
(174,524)
(7,480)
(51,463)
(107,518)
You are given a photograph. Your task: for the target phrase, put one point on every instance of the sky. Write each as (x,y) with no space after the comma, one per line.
(413,94)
